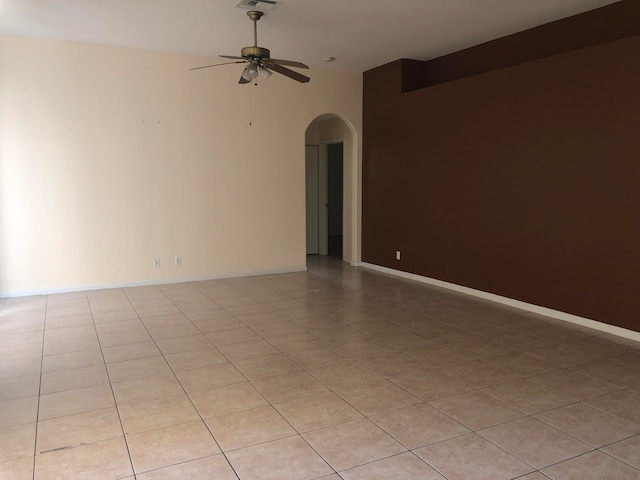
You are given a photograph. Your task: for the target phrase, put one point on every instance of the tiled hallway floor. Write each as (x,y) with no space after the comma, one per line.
(334,373)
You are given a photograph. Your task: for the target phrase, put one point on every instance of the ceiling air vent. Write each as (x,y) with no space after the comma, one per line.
(262,5)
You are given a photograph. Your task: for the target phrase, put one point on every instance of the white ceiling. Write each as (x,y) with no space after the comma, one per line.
(361,34)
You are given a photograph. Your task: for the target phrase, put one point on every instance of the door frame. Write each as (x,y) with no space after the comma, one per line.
(323,189)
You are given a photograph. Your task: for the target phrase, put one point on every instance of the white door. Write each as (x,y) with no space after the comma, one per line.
(312,195)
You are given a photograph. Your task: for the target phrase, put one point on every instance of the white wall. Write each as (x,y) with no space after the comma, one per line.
(111,157)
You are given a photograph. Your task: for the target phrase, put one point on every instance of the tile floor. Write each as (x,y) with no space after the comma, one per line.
(335,373)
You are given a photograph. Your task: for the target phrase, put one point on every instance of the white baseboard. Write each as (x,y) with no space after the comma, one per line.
(567,317)
(146,283)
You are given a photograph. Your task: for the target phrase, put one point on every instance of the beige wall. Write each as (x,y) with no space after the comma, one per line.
(111,157)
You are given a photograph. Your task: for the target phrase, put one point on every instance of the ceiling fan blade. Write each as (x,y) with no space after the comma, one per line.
(232,56)
(214,65)
(289,73)
(288,63)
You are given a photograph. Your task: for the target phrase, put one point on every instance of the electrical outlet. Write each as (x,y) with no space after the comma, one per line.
(397,254)
(156,263)
(178,261)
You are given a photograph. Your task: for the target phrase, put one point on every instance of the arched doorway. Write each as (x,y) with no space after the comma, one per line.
(332,194)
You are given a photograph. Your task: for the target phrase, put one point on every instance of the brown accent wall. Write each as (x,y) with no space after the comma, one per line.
(522,182)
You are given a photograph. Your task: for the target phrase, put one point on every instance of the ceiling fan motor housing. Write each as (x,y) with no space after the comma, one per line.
(258,53)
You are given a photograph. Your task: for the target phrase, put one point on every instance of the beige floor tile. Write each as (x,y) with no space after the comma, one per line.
(170,445)
(627,450)
(478,373)
(173,332)
(471,457)
(19,387)
(127,325)
(266,366)
(130,352)
(418,425)
(239,301)
(73,378)
(623,404)
(534,442)
(612,372)
(20,469)
(66,361)
(246,350)
(114,312)
(243,310)
(213,467)
(522,364)
(600,346)
(70,321)
(291,458)
(377,397)
(17,442)
(574,384)
(317,356)
(217,401)
(116,339)
(534,476)
(366,443)
(431,385)
(630,360)
(249,427)
(297,341)
(344,374)
(66,311)
(138,368)
(415,336)
(260,319)
(71,345)
(592,466)
(62,333)
(289,386)
(76,430)
(405,340)
(21,338)
(563,354)
(108,459)
(393,364)
(21,366)
(235,335)
(527,396)
(188,359)
(214,321)
(156,311)
(440,356)
(210,376)
(360,348)
(476,410)
(589,425)
(277,330)
(71,402)
(147,388)
(22,351)
(405,466)
(317,411)
(158,413)
(18,412)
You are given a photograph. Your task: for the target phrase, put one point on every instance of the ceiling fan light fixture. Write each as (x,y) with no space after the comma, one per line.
(265,72)
(252,71)
(245,73)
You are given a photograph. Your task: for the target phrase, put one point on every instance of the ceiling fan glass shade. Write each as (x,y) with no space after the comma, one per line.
(250,72)
(265,72)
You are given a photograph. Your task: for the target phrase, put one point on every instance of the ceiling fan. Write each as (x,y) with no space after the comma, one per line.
(259,61)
